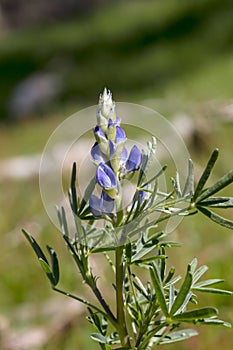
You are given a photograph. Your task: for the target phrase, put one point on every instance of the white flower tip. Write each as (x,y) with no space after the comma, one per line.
(106,105)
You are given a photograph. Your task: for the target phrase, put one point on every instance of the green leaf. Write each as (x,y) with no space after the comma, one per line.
(139,285)
(196,314)
(217,202)
(48,271)
(149,259)
(170,275)
(221,183)
(215,322)
(216,218)
(157,283)
(146,160)
(208,282)
(99,338)
(212,290)
(193,265)
(206,174)
(141,253)
(159,173)
(62,221)
(183,292)
(189,184)
(73,193)
(55,265)
(199,272)
(35,246)
(88,192)
(176,185)
(178,336)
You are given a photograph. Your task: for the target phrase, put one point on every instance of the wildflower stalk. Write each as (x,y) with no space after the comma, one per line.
(122,329)
(151,314)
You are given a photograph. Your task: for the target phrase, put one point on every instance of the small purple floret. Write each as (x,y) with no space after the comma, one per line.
(105,177)
(120,135)
(134,161)
(104,204)
(96,154)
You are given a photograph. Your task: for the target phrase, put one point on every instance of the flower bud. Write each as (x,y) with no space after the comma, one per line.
(106,110)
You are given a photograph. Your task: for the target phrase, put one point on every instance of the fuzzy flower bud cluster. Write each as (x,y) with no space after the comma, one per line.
(111,157)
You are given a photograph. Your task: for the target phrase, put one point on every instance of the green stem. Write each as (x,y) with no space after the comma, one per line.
(85,302)
(122,330)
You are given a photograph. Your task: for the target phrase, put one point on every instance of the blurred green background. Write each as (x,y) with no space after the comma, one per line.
(175,56)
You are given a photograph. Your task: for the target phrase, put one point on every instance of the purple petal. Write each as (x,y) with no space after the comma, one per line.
(106,203)
(105,177)
(94,203)
(120,135)
(141,196)
(124,156)
(99,134)
(134,161)
(96,154)
(112,148)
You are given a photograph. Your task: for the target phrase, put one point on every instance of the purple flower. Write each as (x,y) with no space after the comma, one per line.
(105,177)
(104,204)
(99,134)
(141,196)
(120,135)
(124,156)
(96,154)
(134,161)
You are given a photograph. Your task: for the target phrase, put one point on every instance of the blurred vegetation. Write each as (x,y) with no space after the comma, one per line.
(138,48)
(174,51)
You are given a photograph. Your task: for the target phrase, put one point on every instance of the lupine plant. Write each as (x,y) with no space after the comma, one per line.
(152,307)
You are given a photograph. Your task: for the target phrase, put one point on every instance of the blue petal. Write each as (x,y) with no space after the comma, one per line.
(99,134)
(106,203)
(112,148)
(141,196)
(134,161)
(105,177)
(94,203)
(96,154)
(120,135)
(124,156)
